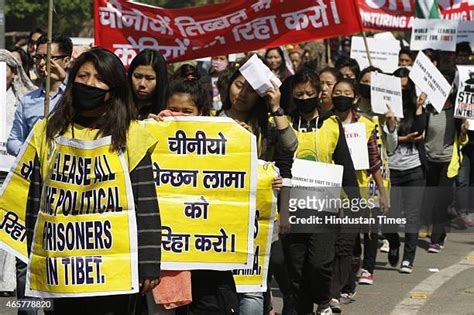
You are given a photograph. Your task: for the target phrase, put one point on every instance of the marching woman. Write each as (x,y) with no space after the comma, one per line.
(320,138)
(386,134)
(406,173)
(148,78)
(97,104)
(344,98)
(276,141)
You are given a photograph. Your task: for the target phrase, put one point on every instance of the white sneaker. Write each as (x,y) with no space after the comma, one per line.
(385,246)
(325,311)
(406,267)
(366,278)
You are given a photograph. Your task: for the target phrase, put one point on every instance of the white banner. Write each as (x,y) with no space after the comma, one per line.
(464,107)
(434,33)
(6,161)
(430,81)
(357,142)
(386,90)
(383,53)
(315,180)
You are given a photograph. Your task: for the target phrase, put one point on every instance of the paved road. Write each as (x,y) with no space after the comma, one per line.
(449,291)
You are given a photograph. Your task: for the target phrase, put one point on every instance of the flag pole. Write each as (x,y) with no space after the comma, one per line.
(48,58)
(366,44)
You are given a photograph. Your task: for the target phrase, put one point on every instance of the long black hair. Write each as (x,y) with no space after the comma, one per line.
(196,92)
(153,58)
(258,116)
(120,108)
(409,102)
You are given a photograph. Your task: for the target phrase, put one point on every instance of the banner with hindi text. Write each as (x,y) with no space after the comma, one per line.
(217,29)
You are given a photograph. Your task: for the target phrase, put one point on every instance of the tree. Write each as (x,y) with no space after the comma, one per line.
(69,16)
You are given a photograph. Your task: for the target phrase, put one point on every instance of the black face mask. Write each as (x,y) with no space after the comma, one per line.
(364,90)
(86,97)
(342,103)
(306,106)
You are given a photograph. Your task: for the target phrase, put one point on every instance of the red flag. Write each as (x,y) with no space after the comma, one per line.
(235,26)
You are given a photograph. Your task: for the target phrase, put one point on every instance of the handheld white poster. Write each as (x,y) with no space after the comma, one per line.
(386,91)
(357,143)
(430,81)
(464,107)
(383,53)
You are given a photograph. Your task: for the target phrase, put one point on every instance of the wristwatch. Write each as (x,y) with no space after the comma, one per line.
(278,113)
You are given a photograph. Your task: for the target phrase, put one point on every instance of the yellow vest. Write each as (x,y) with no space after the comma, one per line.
(319,145)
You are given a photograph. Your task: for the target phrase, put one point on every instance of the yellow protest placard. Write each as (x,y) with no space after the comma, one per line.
(254,277)
(13,200)
(85,240)
(205,171)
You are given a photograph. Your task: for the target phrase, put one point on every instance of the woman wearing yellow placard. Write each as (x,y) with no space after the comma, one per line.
(276,142)
(320,138)
(96,109)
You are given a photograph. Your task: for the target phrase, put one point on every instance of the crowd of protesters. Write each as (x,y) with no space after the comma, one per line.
(303,119)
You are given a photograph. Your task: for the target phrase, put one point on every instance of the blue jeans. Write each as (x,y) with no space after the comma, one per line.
(251,303)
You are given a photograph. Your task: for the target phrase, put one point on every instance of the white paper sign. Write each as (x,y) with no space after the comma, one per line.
(3,102)
(383,53)
(430,81)
(384,36)
(357,142)
(434,33)
(258,75)
(6,161)
(386,90)
(312,179)
(464,107)
(471,124)
(466,32)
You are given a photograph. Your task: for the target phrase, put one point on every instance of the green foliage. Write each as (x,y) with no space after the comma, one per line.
(71,17)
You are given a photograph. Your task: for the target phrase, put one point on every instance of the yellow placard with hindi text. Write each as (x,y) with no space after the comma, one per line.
(205,171)
(85,240)
(254,277)
(13,202)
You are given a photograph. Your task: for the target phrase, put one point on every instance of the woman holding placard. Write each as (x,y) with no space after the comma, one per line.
(320,139)
(407,175)
(344,98)
(96,112)
(276,141)
(385,129)
(444,138)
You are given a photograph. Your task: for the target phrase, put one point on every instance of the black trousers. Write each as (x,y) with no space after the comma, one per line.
(406,201)
(213,293)
(438,196)
(342,266)
(310,266)
(128,304)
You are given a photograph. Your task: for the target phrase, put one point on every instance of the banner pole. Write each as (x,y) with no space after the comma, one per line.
(328,51)
(48,58)
(366,47)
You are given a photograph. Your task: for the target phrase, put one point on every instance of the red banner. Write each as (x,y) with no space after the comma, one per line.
(397,15)
(235,26)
